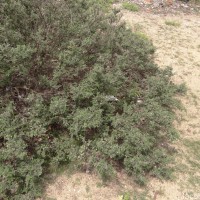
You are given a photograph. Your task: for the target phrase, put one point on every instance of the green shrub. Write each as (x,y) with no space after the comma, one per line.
(77,86)
(130,6)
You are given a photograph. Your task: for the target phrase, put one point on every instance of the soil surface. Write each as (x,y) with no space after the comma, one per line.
(178,46)
(163,6)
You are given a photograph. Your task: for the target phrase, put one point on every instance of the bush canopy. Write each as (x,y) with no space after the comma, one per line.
(78,87)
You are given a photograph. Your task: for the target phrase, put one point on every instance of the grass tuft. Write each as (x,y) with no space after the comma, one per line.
(130,6)
(172,23)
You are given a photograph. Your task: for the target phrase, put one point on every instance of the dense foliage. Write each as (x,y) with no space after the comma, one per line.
(77,86)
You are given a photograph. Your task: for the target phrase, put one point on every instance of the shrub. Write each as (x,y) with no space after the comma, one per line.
(77,86)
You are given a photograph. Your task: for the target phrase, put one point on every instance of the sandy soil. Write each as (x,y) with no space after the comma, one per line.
(82,186)
(178,47)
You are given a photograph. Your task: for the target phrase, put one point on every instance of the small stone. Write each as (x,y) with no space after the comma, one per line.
(148,2)
(111,98)
(139,101)
(87,171)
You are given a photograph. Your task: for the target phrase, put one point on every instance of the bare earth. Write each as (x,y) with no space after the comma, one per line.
(178,47)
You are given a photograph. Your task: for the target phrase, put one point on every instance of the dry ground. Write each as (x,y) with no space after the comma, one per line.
(178,46)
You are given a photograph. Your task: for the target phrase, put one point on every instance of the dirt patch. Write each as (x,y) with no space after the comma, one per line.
(172,7)
(178,47)
(82,186)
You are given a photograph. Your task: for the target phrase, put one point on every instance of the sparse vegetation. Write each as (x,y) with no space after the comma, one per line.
(193,147)
(172,23)
(135,196)
(77,86)
(194,180)
(140,196)
(126,196)
(130,6)
(193,159)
